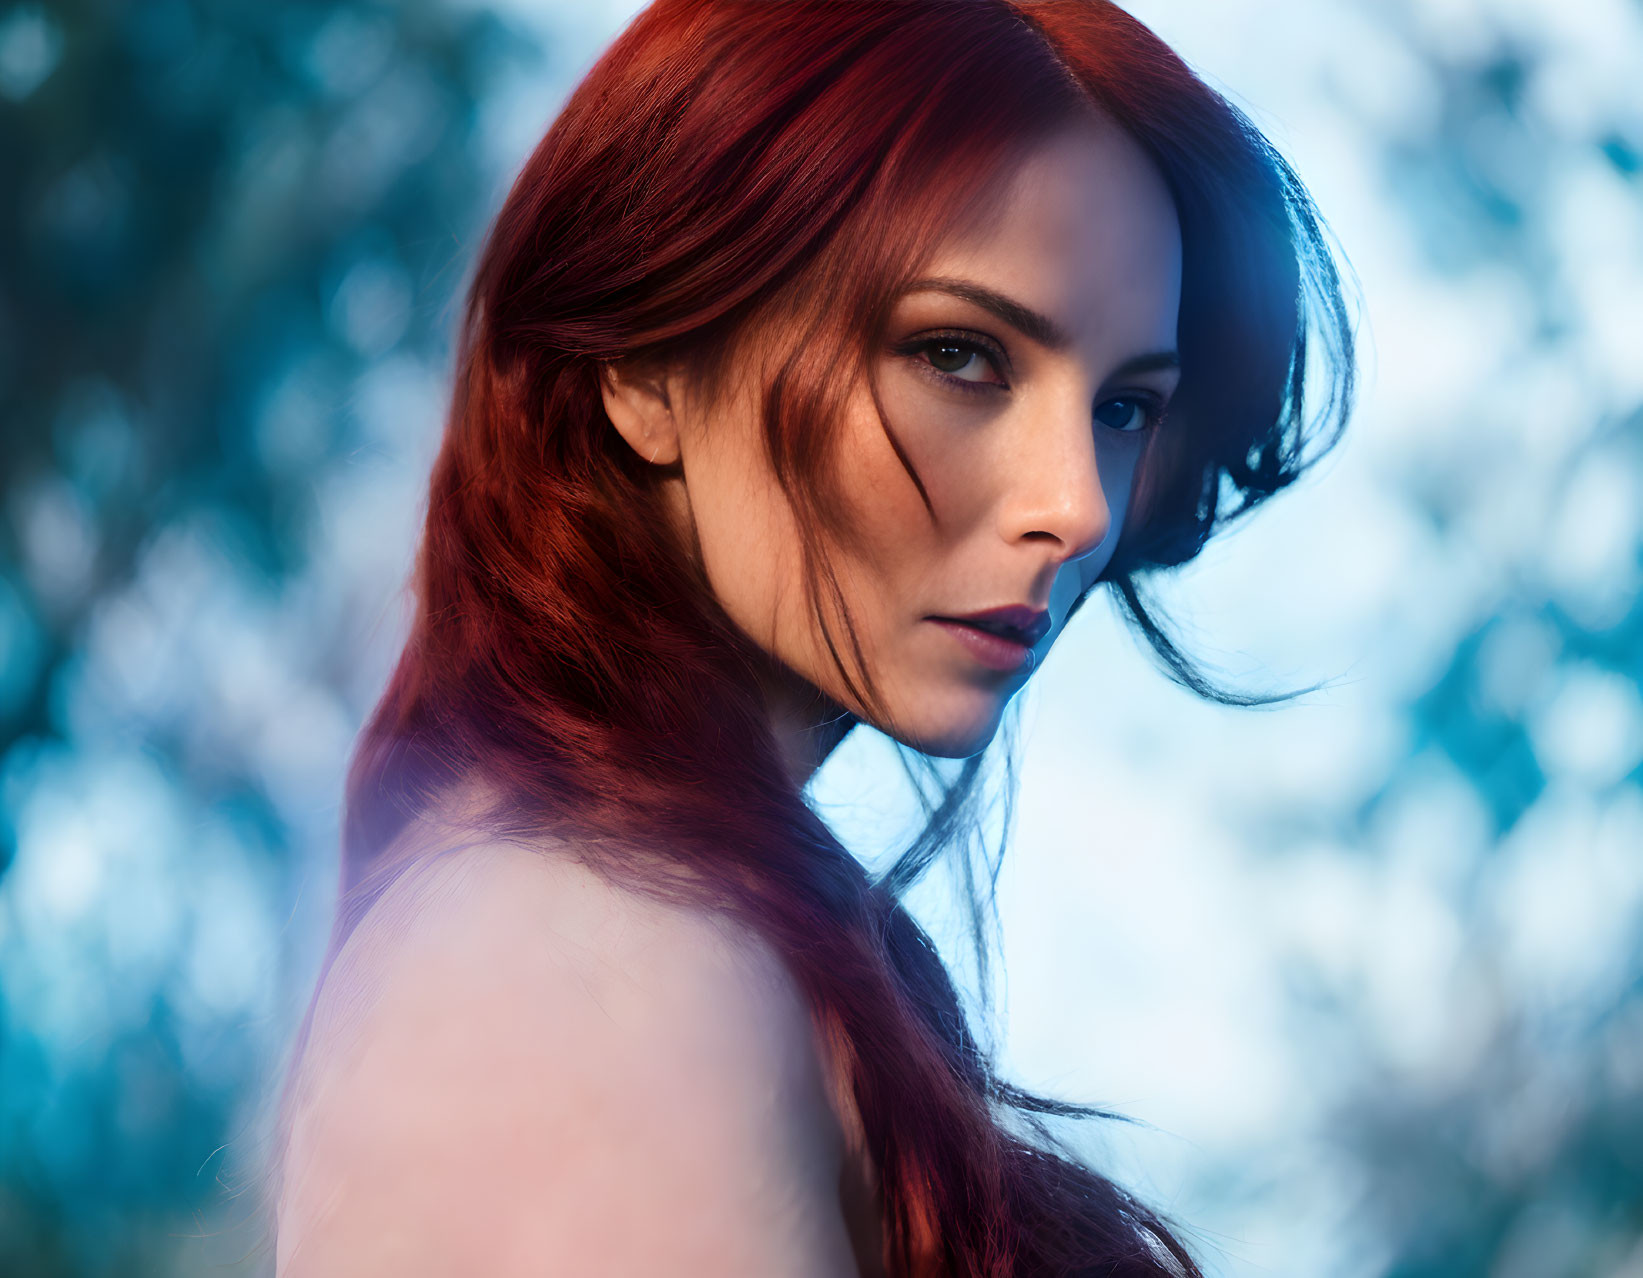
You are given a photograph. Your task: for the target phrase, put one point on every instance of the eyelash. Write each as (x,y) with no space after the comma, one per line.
(967,342)
(1151,405)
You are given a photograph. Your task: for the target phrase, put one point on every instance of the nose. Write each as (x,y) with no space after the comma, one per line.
(1052,486)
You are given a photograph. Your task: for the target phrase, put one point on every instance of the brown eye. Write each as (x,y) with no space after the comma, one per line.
(961,360)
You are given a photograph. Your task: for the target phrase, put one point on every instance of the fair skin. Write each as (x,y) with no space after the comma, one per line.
(1025,426)
(517,1068)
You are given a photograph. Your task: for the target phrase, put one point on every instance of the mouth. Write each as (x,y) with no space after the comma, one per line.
(1001,639)
(1016,622)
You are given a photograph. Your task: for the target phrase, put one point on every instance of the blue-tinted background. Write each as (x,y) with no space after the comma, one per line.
(1368,967)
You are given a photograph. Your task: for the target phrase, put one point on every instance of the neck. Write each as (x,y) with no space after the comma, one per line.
(805,721)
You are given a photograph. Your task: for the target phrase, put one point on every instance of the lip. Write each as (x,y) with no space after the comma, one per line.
(1006,652)
(1022,624)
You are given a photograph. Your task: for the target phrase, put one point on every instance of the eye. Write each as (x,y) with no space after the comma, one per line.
(959,360)
(1130,413)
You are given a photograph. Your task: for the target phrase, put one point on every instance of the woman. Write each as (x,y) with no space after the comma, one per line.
(822,360)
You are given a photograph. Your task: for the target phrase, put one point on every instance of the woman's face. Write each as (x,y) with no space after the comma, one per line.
(1022,376)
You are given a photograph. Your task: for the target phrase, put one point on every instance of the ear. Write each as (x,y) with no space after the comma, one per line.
(642,412)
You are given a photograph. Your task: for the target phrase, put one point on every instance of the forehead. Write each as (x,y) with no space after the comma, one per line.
(1086,232)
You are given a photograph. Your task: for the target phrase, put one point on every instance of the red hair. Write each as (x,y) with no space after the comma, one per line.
(723,164)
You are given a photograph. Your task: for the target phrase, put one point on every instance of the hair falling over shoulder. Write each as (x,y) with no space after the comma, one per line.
(725,162)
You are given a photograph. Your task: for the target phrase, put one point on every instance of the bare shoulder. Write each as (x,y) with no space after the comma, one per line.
(518,1067)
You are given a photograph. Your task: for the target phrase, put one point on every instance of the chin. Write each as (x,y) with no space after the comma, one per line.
(954,731)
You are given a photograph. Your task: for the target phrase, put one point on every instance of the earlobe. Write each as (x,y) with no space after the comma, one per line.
(642,412)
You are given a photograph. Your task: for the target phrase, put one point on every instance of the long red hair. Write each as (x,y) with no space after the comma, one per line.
(725,163)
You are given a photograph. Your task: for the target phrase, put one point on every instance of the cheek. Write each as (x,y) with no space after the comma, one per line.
(954,446)
(748,539)
(892,541)
(752,547)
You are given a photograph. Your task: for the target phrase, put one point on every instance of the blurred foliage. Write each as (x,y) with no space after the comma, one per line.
(221,221)
(1495,1125)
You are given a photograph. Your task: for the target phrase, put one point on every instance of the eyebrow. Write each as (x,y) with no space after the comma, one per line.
(1036,325)
(1155,361)
(1030,323)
